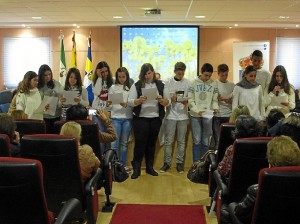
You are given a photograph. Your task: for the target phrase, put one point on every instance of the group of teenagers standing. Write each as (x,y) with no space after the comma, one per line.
(209,103)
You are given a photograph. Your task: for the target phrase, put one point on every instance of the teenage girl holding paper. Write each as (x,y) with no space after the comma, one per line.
(280,88)
(147,118)
(121,114)
(74,83)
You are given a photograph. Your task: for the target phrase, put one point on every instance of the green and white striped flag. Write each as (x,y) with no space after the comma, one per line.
(62,64)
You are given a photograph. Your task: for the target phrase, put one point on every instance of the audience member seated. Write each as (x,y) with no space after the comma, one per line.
(8,127)
(282,151)
(246,127)
(239,110)
(272,119)
(89,162)
(291,127)
(18,114)
(79,112)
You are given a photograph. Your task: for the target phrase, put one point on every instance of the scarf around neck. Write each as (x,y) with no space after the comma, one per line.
(247,85)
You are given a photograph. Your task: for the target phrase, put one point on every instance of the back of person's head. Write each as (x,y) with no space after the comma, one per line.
(248,69)
(283,151)
(291,127)
(77,112)
(239,110)
(71,128)
(246,126)
(18,114)
(273,117)
(7,125)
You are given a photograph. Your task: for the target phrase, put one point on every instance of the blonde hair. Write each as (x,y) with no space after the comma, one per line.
(71,128)
(283,151)
(239,110)
(18,114)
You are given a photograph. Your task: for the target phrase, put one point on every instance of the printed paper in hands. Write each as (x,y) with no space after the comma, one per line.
(150,93)
(70,96)
(52,101)
(116,98)
(208,114)
(277,100)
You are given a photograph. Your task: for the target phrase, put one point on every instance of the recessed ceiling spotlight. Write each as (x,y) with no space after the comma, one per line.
(230,27)
(283,17)
(297,25)
(199,17)
(78,26)
(36,17)
(23,25)
(117,17)
(74,24)
(236,24)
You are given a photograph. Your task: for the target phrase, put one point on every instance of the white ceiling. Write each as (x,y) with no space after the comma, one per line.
(218,13)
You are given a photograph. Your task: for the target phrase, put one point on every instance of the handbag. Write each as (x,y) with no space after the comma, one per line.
(199,171)
(110,160)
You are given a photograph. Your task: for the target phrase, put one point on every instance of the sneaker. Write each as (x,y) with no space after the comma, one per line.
(179,167)
(128,170)
(164,168)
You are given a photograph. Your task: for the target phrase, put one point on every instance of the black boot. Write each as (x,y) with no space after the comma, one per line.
(136,169)
(150,170)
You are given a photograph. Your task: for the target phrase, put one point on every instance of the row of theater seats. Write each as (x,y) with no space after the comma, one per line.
(60,173)
(278,187)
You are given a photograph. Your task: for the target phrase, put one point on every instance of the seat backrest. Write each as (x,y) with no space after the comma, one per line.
(30,126)
(89,134)
(5,100)
(278,196)
(21,191)
(4,145)
(225,139)
(249,157)
(59,156)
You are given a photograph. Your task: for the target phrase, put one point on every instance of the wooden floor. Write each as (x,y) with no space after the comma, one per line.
(168,188)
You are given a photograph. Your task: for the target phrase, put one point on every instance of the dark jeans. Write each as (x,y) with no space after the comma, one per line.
(217,121)
(145,134)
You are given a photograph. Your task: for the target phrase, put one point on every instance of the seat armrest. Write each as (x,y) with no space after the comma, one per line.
(90,183)
(222,186)
(231,209)
(71,208)
(212,162)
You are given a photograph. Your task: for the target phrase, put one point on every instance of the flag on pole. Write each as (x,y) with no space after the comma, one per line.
(73,63)
(89,71)
(62,64)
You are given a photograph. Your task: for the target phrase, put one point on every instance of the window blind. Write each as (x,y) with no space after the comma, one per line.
(22,54)
(288,55)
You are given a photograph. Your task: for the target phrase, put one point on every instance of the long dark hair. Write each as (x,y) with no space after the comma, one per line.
(109,80)
(127,83)
(285,82)
(41,77)
(78,78)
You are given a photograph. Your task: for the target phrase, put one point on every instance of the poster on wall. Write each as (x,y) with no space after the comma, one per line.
(241,56)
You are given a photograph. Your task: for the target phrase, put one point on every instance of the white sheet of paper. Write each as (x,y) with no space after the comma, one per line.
(70,96)
(180,99)
(116,98)
(208,114)
(52,101)
(277,100)
(150,93)
(92,111)
(41,108)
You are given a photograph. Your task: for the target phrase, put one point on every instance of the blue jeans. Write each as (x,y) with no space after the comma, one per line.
(201,134)
(170,129)
(123,128)
(102,128)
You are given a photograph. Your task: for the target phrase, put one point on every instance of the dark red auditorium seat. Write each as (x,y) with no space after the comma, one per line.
(278,197)
(30,126)
(59,156)
(22,194)
(249,157)
(4,145)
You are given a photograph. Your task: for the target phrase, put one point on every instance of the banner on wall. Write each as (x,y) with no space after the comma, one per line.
(241,56)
